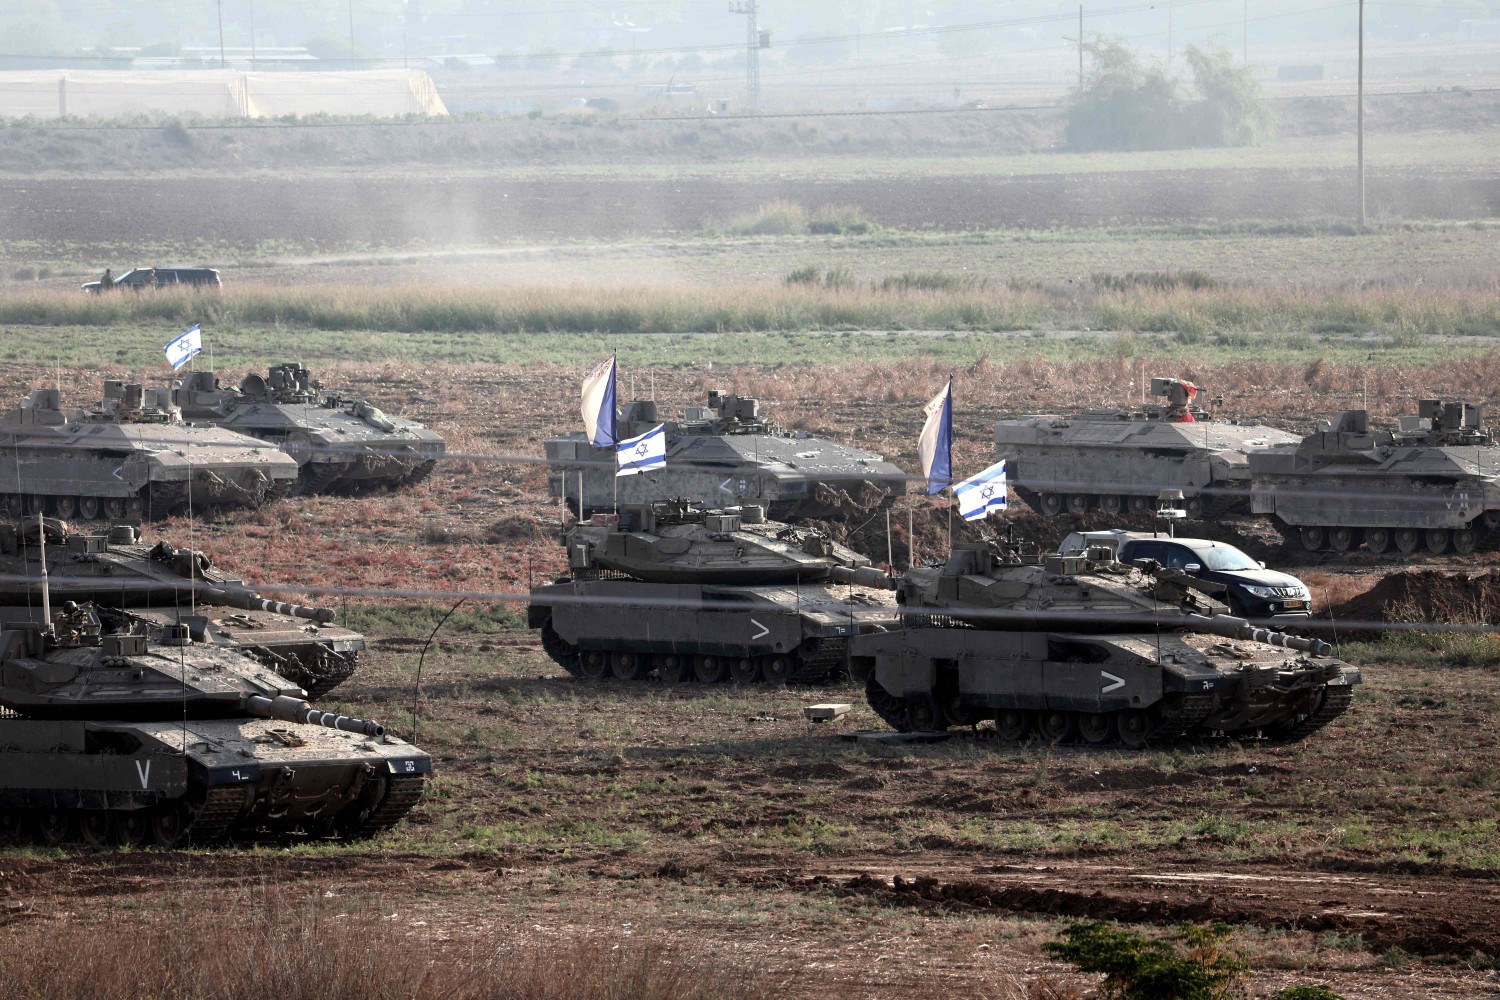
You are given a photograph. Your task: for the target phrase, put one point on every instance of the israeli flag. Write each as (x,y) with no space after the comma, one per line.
(188,345)
(643,453)
(599,405)
(980,494)
(935,446)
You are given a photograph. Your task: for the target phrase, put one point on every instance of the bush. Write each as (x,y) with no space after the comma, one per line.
(1307,993)
(1138,968)
(1160,281)
(776,218)
(840,219)
(929,281)
(1124,105)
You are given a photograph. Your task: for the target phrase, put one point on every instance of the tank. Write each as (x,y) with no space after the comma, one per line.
(1433,484)
(681,593)
(112,737)
(130,459)
(158,586)
(1118,461)
(723,454)
(1082,648)
(340,445)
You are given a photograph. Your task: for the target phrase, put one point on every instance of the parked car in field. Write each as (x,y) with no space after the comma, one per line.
(1252,590)
(138,279)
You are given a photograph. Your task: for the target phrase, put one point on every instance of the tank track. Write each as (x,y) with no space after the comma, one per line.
(400,797)
(562,652)
(166,498)
(420,473)
(1176,722)
(830,659)
(1335,702)
(318,478)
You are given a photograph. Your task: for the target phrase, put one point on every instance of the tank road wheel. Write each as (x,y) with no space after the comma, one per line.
(956,713)
(776,670)
(1139,505)
(130,828)
(1079,503)
(1134,727)
(923,717)
(628,666)
(1378,540)
(672,668)
(744,670)
(1052,504)
(711,669)
(1012,724)
(33,504)
(1194,508)
(1112,503)
(64,507)
(1437,540)
(89,508)
(114,508)
(1312,537)
(1056,727)
(135,507)
(1407,540)
(1343,539)
(55,826)
(1465,541)
(891,709)
(170,823)
(1096,727)
(593,664)
(95,828)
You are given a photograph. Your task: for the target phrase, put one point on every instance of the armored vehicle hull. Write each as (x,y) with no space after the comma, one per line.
(158,587)
(113,737)
(128,463)
(1083,648)
(1433,486)
(339,445)
(1120,461)
(176,782)
(721,455)
(631,630)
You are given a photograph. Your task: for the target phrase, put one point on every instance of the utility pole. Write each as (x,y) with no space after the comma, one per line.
(1245,34)
(351,34)
(753,45)
(1169,34)
(252,35)
(1361,100)
(222,61)
(1080,46)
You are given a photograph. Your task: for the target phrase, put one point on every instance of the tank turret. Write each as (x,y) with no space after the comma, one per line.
(113,736)
(132,458)
(1119,460)
(677,592)
(1431,485)
(339,444)
(1080,647)
(159,586)
(725,453)
(675,540)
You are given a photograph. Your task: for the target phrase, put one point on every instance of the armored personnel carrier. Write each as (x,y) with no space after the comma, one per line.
(132,458)
(1432,484)
(1117,461)
(339,445)
(682,593)
(722,454)
(1083,648)
(113,738)
(158,587)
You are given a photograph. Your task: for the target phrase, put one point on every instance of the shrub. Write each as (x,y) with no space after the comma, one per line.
(1124,105)
(1138,968)
(776,218)
(809,275)
(1158,280)
(840,219)
(1307,993)
(928,281)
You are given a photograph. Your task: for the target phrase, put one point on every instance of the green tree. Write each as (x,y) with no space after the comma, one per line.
(1229,110)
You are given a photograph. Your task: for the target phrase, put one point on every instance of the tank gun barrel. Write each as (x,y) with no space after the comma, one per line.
(288,709)
(1238,628)
(249,600)
(863,576)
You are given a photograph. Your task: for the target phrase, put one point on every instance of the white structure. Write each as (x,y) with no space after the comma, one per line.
(216,93)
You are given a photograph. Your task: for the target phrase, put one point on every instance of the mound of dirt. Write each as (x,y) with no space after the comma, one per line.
(1428,596)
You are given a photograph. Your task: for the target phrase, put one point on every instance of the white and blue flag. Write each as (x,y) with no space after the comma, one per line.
(184,347)
(599,405)
(935,446)
(978,495)
(643,452)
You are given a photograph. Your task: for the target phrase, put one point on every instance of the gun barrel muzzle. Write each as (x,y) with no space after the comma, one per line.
(288,709)
(863,576)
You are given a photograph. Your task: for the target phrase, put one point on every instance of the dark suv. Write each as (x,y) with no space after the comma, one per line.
(1253,591)
(139,279)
